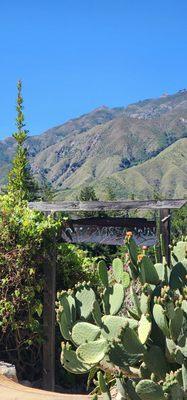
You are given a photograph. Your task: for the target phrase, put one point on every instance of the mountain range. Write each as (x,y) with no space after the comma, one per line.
(140,149)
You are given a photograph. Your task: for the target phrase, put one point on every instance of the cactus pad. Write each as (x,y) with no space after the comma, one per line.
(112,325)
(144,303)
(175,324)
(64,324)
(148,271)
(144,328)
(179,252)
(163,272)
(117,267)
(85,298)
(184,306)
(66,313)
(160,319)
(125,279)
(121,358)
(67,301)
(131,342)
(103,386)
(103,274)
(170,309)
(120,275)
(184,376)
(149,390)
(182,343)
(113,298)
(83,332)
(178,275)
(144,371)
(70,361)
(96,312)
(135,301)
(133,250)
(92,352)
(156,362)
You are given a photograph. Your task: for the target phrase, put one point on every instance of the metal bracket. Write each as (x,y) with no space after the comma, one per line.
(166,218)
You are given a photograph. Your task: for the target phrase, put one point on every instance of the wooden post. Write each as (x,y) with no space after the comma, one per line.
(165,232)
(49,321)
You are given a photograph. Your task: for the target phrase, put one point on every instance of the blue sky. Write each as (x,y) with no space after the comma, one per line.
(75,55)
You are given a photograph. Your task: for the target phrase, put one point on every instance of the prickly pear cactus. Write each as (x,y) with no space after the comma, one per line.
(145,350)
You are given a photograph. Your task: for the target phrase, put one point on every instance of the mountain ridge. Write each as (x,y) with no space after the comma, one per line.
(103,142)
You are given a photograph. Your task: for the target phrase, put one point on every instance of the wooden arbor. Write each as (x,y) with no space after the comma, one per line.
(163,207)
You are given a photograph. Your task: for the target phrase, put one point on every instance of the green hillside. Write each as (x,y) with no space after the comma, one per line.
(121,148)
(165,174)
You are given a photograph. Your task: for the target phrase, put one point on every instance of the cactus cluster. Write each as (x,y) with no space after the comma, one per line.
(145,349)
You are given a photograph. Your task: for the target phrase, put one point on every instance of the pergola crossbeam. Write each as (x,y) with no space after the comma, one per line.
(75,206)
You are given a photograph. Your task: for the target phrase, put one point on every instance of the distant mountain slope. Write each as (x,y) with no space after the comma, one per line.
(166,173)
(108,144)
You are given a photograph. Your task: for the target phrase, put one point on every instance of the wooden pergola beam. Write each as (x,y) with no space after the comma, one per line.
(74,206)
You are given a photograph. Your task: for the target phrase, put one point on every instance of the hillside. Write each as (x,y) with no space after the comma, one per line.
(166,174)
(111,146)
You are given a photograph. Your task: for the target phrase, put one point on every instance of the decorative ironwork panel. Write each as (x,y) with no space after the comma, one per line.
(109,231)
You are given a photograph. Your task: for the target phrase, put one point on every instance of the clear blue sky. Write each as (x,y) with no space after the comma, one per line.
(75,55)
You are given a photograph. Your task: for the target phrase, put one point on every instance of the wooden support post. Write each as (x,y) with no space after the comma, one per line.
(165,232)
(158,234)
(49,321)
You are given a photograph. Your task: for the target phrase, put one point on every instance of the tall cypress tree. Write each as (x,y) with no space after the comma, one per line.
(20,179)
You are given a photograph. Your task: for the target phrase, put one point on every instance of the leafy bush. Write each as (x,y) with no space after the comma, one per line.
(179,222)
(143,351)
(26,241)
(24,237)
(74,264)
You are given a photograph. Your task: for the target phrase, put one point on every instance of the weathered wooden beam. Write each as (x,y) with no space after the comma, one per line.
(165,233)
(74,206)
(49,319)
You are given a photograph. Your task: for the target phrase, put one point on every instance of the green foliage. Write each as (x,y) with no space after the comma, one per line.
(20,179)
(179,222)
(26,239)
(74,264)
(46,191)
(111,196)
(148,345)
(87,193)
